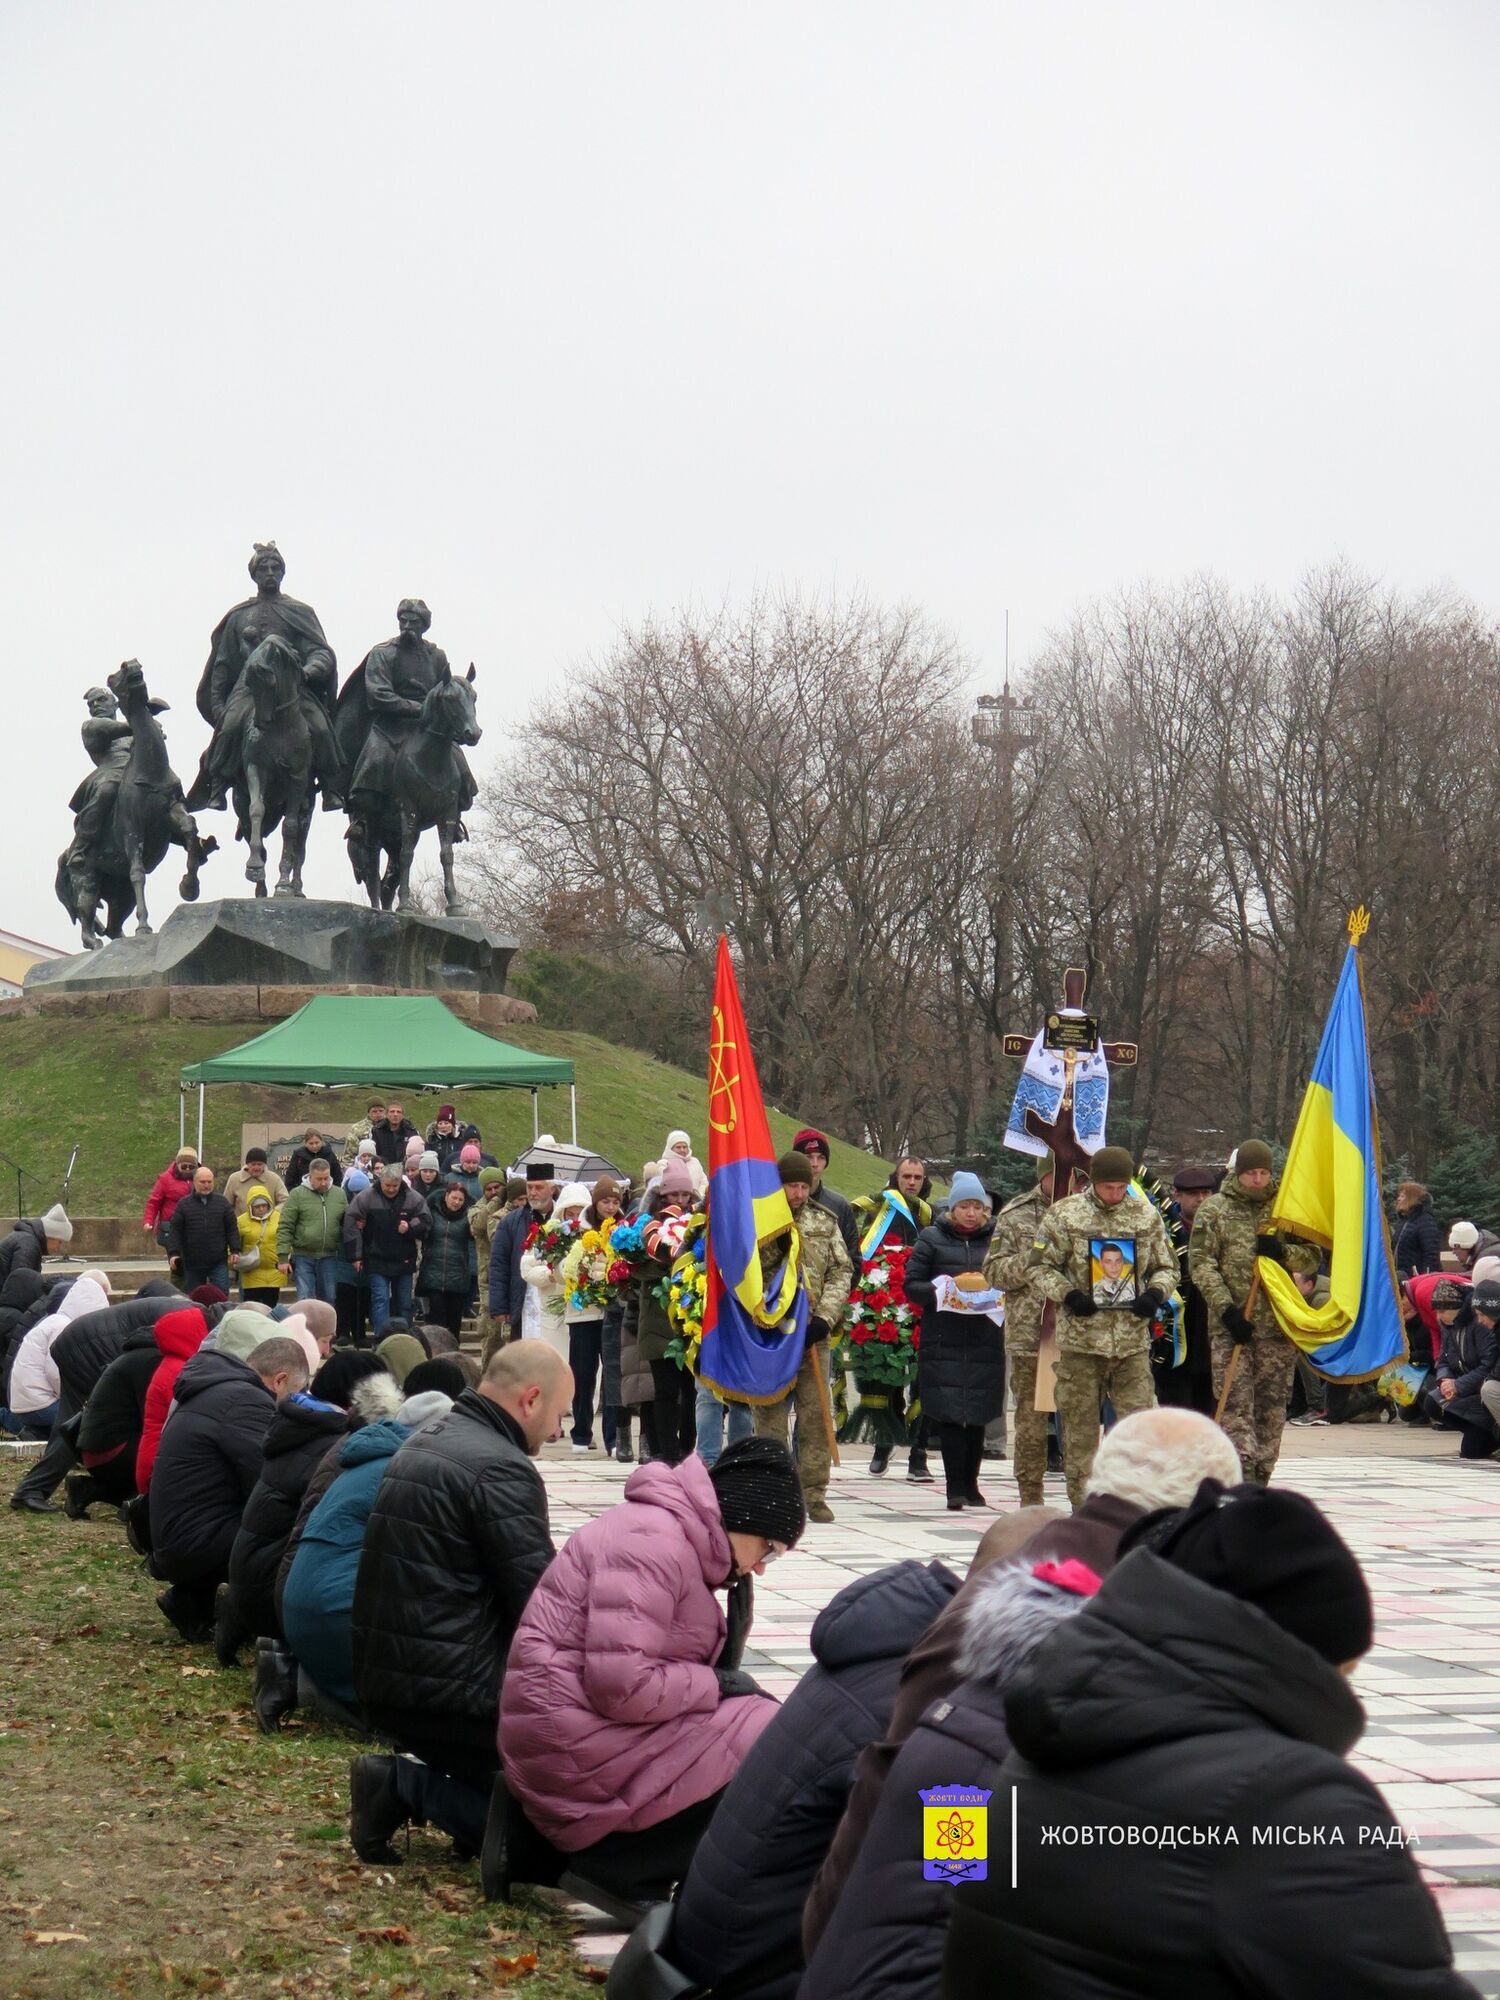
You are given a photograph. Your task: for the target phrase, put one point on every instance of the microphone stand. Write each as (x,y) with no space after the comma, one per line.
(20,1174)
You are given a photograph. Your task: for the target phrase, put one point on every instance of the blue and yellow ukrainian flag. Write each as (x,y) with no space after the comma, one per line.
(1330,1195)
(754,1323)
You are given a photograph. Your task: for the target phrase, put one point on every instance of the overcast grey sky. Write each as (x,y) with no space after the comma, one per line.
(553,314)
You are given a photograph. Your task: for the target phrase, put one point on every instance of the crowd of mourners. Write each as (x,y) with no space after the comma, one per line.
(328,1484)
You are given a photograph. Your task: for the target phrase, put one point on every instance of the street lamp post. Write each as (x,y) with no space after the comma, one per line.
(1002,724)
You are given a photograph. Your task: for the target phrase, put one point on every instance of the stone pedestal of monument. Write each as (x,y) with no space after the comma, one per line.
(289,942)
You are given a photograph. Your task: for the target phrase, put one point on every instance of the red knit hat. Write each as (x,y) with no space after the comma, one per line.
(811,1136)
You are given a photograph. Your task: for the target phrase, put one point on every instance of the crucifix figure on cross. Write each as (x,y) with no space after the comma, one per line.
(1069,1038)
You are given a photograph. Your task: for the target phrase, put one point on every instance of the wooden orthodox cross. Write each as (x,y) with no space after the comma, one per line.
(1070,1033)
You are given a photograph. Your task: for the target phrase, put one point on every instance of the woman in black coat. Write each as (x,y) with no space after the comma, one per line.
(314,1147)
(1202,1693)
(446,1279)
(961,1364)
(1419,1241)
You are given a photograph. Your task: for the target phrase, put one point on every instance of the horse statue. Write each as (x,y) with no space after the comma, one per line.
(114,851)
(430,785)
(275,786)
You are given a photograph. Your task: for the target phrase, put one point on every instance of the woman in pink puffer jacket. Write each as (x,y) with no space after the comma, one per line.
(616,1712)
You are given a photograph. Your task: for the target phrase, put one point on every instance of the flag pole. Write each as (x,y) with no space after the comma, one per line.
(1359,923)
(826,1407)
(1234,1359)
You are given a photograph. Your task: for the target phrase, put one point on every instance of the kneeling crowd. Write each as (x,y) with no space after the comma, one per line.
(1176,1651)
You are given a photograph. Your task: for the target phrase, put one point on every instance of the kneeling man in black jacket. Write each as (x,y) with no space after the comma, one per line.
(458,1537)
(206,1468)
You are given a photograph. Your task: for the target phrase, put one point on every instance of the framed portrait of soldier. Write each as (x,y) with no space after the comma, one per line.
(1112,1270)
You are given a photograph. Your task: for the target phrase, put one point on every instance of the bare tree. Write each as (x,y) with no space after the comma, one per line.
(1206,781)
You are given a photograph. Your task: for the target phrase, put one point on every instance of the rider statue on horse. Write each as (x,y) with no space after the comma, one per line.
(391,744)
(402,722)
(106,738)
(224,696)
(126,813)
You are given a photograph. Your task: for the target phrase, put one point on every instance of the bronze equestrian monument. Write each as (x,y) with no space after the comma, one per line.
(386,750)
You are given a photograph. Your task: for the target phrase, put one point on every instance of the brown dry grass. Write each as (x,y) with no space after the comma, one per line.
(141,1809)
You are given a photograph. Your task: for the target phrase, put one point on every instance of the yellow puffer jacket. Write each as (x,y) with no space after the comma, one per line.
(259,1236)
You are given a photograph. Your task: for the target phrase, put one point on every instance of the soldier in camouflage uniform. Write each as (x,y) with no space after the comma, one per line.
(1009,1266)
(828,1274)
(1101,1351)
(483,1216)
(1229,1231)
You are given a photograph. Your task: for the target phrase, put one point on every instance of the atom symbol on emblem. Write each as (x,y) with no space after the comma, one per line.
(952,1835)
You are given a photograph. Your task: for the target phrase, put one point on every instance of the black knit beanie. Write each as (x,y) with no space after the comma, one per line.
(758,1490)
(442,1373)
(1275,1550)
(341,1374)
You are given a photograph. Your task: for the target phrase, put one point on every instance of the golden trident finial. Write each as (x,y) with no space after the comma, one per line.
(1359,923)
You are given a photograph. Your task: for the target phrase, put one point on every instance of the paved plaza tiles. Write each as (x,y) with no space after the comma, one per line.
(1427,1531)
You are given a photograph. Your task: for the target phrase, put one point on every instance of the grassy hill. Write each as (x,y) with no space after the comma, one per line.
(111,1086)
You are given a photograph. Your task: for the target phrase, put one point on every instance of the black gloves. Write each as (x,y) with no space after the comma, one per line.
(1236,1325)
(1080,1305)
(1147,1305)
(732,1681)
(1272,1247)
(817,1330)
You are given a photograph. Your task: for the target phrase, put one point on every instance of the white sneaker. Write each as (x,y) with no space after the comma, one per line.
(584,1448)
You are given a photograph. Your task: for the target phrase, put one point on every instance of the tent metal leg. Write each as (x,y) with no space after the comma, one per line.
(573,1102)
(536,1116)
(200,1121)
(181,1117)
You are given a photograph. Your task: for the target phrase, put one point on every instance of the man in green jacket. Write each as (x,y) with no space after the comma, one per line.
(1008,1264)
(483,1216)
(308,1233)
(1103,1336)
(828,1273)
(1230,1230)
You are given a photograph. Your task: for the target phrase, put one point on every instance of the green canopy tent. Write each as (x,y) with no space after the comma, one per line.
(408,1042)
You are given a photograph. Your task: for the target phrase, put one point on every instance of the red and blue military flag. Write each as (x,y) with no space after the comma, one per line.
(754,1319)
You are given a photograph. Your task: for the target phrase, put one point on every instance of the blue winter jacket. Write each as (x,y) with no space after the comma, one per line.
(318,1602)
